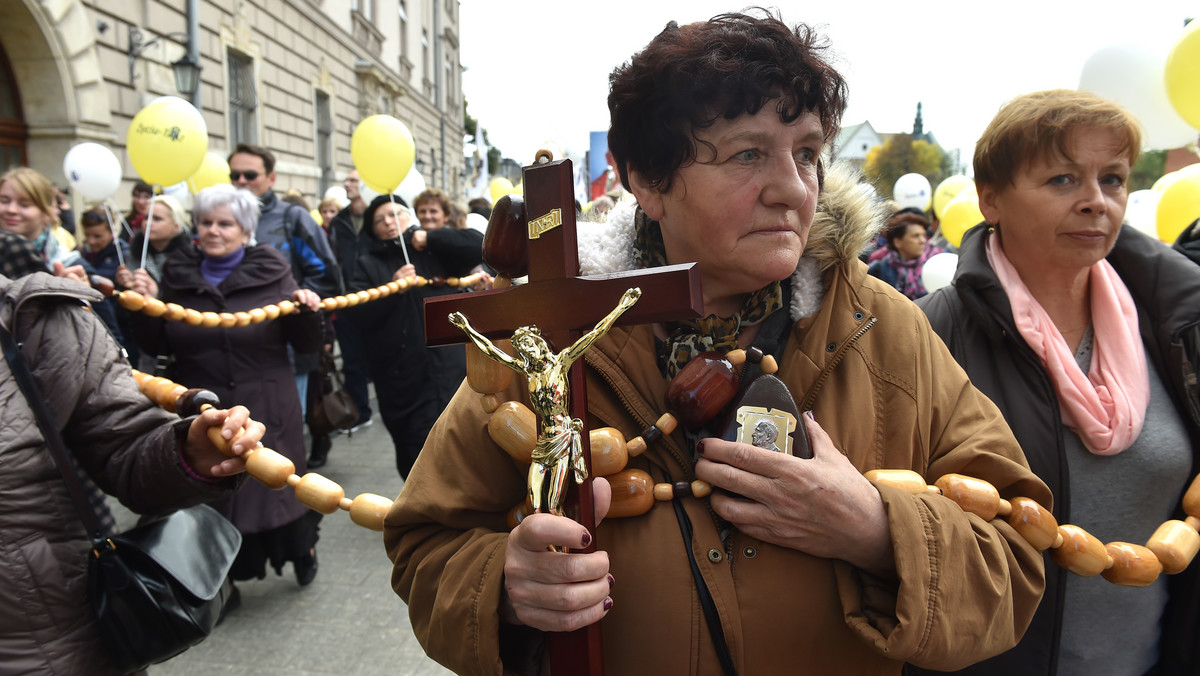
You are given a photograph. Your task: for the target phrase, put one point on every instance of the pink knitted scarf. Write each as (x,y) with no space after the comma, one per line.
(1106,407)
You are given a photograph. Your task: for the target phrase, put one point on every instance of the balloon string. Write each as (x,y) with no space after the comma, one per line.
(149,223)
(399,235)
(125,227)
(116,232)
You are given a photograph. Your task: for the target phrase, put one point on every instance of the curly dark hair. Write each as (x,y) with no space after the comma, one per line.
(690,76)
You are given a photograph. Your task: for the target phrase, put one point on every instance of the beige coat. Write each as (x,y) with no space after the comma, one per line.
(889,395)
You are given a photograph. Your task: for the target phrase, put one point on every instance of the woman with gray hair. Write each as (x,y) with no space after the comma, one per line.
(245,365)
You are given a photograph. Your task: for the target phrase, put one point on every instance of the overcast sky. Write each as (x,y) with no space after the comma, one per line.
(538,70)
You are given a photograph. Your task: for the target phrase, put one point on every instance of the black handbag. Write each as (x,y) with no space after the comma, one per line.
(333,409)
(158,589)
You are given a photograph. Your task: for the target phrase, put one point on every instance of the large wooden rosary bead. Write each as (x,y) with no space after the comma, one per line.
(175,312)
(608,451)
(271,468)
(1133,565)
(632,493)
(1080,552)
(702,388)
(1191,499)
(514,428)
(154,307)
(317,492)
(904,479)
(1175,544)
(210,320)
(484,375)
(192,317)
(506,241)
(368,510)
(1034,523)
(131,300)
(974,495)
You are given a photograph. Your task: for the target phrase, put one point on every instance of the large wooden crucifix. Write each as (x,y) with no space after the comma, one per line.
(562,305)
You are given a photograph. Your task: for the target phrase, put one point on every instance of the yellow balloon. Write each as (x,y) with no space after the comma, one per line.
(383,151)
(214,170)
(499,187)
(959,216)
(947,190)
(1178,207)
(1182,73)
(167,141)
(1166,180)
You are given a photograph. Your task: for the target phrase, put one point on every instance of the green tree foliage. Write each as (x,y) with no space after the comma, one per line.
(901,155)
(1149,168)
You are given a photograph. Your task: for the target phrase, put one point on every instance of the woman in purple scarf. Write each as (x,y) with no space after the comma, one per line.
(245,365)
(907,251)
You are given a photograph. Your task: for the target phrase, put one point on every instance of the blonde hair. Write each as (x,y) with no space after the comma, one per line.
(178,214)
(34,186)
(1031,126)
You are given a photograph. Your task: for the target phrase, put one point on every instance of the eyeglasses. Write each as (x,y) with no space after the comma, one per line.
(250,175)
(91,218)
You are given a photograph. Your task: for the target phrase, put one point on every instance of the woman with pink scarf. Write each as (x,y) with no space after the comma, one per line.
(1086,334)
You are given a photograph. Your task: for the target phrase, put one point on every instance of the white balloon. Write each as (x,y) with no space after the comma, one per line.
(1142,210)
(411,186)
(1132,76)
(181,193)
(939,271)
(338,193)
(93,171)
(912,190)
(477,222)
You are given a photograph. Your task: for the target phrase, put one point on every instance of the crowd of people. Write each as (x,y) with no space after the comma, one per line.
(1054,367)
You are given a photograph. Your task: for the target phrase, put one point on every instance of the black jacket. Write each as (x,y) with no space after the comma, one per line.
(974,318)
(1188,243)
(346,244)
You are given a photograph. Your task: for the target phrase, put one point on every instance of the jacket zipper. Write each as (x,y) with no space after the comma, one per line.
(811,397)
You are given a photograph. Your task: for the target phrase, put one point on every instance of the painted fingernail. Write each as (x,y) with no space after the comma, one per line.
(586,539)
(700,447)
(611,581)
(810,415)
(607,604)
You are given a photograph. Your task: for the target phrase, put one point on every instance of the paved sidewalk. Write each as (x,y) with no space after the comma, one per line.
(348,621)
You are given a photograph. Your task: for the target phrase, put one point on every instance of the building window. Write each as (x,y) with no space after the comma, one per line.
(324,113)
(425,53)
(403,29)
(364,7)
(243,101)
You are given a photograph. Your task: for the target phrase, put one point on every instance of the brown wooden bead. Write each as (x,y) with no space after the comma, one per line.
(1080,552)
(904,479)
(258,315)
(1194,522)
(754,355)
(1133,565)
(608,451)
(973,495)
(632,493)
(514,428)
(221,443)
(228,320)
(736,357)
(485,375)
(317,492)
(518,513)
(506,241)
(286,307)
(173,398)
(131,300)
(664,492)
(243,319)
(342,302)
(139,377)
(1175,544)
(175,312)
(329,304)
(666,423)
(393,287)
(368,510)
(701,489)
(1034,523)
(1191,499)
(271,468)
(192,317)
(490,402)
(210,320)
(402,283)
(363,296)
(272,311)
(704,386)
(154,308)
(635,446)
(373,294)
(651,434)
(419,281)
(768,364)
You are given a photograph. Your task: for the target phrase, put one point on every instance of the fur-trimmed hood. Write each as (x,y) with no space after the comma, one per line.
(849,214)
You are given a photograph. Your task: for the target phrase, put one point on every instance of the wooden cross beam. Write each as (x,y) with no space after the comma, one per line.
(563,305)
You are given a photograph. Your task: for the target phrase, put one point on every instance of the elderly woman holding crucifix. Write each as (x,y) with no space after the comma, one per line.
(792,564)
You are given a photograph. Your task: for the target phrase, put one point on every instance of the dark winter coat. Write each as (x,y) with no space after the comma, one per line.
(247,365)
(156,259)
(974,318)
(128,447)
(1188,243)
(346,244)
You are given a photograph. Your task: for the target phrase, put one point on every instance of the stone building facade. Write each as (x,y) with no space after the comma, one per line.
(295,76)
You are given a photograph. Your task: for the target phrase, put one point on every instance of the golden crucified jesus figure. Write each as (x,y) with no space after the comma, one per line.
(558,445)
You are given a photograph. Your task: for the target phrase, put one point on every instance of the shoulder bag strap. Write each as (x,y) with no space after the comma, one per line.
(33,395)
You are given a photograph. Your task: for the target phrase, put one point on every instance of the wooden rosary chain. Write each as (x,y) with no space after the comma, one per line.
(136,302)
(267,466)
